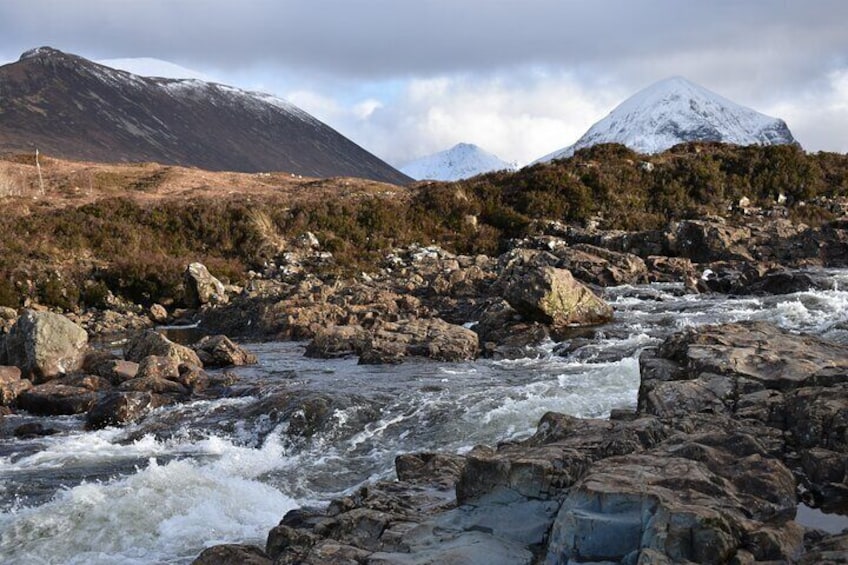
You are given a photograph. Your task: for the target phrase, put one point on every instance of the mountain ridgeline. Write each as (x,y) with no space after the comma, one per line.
(70,107)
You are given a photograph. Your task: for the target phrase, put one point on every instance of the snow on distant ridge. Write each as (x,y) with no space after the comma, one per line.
(461,161)
(150,67)
(180,80)
(674,111)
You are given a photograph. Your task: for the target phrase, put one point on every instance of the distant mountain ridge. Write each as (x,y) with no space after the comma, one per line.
(676,110)
(70,107)
(461,161)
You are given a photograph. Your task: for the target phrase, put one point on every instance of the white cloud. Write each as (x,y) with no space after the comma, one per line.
(519,118)
(819,116)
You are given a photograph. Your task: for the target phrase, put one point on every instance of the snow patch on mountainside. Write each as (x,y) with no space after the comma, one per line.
(180,81)
(461,161)
(150,67)
(674,111)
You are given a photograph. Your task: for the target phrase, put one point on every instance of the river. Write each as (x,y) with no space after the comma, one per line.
(209,472)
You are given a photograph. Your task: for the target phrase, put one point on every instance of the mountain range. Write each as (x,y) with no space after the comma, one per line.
(461,161)
(676,110)
(70,107)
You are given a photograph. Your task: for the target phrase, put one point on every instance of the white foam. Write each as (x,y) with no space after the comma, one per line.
(161,511)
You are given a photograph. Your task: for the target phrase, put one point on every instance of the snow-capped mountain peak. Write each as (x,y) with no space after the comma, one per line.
(461,161)
(676,110)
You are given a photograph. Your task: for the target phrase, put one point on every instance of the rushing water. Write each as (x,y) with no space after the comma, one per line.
(210,472)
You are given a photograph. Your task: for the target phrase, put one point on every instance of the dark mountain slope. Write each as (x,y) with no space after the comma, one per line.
(70,107)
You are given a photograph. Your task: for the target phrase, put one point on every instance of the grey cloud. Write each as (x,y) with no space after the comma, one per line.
(379,38)
(761,53)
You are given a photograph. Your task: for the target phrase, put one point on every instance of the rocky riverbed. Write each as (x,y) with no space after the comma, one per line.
(587,396)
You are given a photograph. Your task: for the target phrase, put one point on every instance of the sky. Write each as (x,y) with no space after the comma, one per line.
(520,78)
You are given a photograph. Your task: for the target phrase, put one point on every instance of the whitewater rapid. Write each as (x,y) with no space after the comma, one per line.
(210,472)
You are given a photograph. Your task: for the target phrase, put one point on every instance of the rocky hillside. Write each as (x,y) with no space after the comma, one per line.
(67,106)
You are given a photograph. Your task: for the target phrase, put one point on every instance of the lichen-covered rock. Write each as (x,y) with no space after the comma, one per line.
(11,385)
(338,341)
(158,314)
(151,342)
(705,241)
(220,351)
(202,288)
(540,292)
(45,345)
(391,342)
(601,267)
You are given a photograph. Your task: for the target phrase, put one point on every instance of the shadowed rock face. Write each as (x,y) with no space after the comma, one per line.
(67,106)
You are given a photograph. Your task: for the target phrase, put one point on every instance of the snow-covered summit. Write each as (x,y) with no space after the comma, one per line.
(461,161)
(674,111)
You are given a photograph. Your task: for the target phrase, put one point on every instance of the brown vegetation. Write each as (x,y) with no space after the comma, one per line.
(131,229)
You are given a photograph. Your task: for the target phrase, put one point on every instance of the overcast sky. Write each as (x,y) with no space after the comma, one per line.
(520,78)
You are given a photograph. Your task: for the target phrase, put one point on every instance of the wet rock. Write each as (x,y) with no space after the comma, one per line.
(120,408)
(338,341)
(151,342)
(445,546)
(295,543)
(503,334)
(757,278)
(89,382)
(334,553)
(156,385)
(560,452)
(311,413)
(11,385)
(52,399)
(232,554)
(199,381)
(220,351)
(45,345)
(33,429)
(202,288)
(429,468)
(702,499)
(706,241)
(786,385)
(549,295)
(830,550)
(158,367)
(751,355)
(110,367)
(391,342)
(834,244)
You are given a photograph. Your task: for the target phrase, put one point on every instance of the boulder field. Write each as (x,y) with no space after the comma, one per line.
(47,368)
